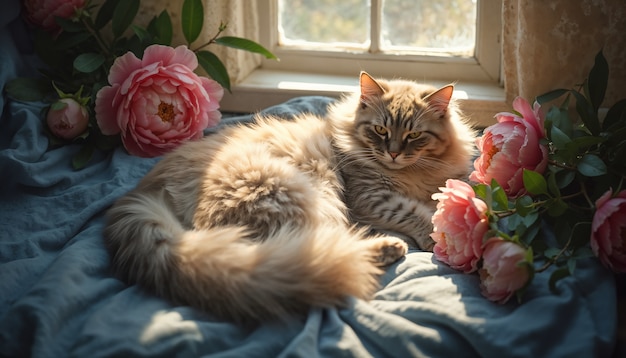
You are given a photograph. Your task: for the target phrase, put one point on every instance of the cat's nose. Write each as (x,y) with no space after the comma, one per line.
(394,154)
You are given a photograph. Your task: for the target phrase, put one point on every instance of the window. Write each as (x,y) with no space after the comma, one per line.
(390,26)
(454,40)
(323,44)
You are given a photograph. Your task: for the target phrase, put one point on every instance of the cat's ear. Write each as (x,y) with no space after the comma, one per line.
(440,99)
(370,89)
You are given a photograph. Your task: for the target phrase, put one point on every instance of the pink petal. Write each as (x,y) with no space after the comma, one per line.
(106,115)
(123,67)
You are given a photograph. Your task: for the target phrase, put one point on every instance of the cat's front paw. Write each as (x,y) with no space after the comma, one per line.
(389,250)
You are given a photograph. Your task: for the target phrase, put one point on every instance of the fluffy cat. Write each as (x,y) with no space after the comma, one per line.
(258,222)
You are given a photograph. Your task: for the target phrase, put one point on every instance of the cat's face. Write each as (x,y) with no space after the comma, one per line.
(400,123)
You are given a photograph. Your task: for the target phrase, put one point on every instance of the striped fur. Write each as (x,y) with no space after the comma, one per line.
(392,192)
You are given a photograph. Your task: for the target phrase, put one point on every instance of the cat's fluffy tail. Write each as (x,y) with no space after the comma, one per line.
(220,271)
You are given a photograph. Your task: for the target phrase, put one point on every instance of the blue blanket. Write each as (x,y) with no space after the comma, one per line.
(58,297)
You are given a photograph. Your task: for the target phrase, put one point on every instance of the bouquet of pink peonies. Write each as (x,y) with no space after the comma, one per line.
(548,189)
(105,87)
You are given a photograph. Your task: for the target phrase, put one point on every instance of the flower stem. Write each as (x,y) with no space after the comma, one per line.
(221,29)
(555,258)
(561,165)
(583,190)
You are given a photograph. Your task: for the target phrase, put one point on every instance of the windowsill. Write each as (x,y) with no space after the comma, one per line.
(264,88)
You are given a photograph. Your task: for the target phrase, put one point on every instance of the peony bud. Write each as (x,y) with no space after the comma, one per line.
(42,13)
(503,273)
(67,119)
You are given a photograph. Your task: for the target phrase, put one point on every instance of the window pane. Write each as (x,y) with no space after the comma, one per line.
(427,25)
(324,21)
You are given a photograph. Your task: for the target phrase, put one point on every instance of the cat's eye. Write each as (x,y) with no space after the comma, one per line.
(380,130)
(414,135)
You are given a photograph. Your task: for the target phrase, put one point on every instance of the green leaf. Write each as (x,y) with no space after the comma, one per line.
(524,227)
(214,68)
(481,191)
(587,113)
(556,276)
(615,116)
(27,89)
(583,253)
(83,157)
(514,222)
(553,186)
(571,265)
(105,13)
(591,165)
(246,45)
(550,96)
(556,207)
(161,28)
(531,218)
(192,19)
(551,252)
(523,205)
(565,178)
(559,139)
(123,16)
(534,182)
(598,80)
(142,34)
(559,117)
(584,143)
(88,62)
(134,45)
(499,196)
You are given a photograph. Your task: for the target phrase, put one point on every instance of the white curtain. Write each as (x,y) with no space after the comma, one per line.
(549,44)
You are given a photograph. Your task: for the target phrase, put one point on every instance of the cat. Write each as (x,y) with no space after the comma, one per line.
(262,221)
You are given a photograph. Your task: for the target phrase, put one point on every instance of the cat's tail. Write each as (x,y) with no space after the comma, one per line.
(220,271)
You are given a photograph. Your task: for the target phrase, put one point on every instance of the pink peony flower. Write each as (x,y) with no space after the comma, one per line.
(608,231)
(42,13)
(502,274)
(158,102)
(67,119)
(511,145)
(460,223)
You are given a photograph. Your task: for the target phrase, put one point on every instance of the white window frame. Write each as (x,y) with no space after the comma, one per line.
(483,67)
(478,86)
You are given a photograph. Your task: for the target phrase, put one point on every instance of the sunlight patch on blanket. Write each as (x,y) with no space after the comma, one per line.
(165,324)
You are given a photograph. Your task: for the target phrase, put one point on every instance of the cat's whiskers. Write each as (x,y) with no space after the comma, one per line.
(431,163)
